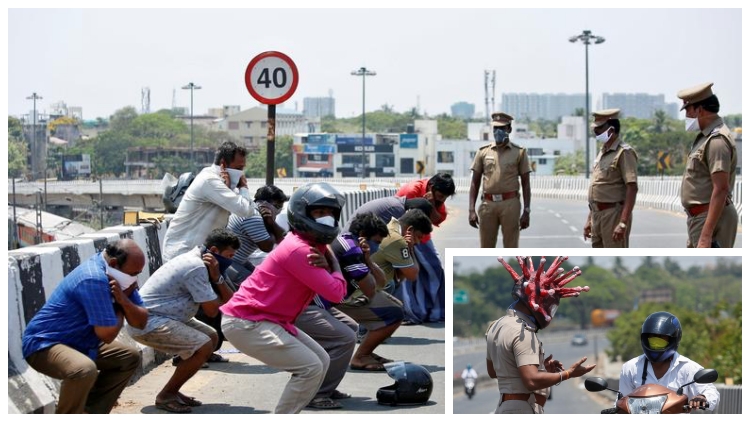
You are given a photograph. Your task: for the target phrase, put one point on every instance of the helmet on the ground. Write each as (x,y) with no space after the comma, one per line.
(664,324)
(308,197)
(413,385)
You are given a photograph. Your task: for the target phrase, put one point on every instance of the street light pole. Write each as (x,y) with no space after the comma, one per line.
(34,153)
(191,86)
(363,72)
(586,37)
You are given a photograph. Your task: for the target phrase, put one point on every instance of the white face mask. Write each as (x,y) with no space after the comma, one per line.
(124,280)
(326,221)
(604,136)
(234,176)
(691,125)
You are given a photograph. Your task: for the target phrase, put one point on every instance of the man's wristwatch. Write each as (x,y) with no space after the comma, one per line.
(220,281)
(527,209)
(622,225)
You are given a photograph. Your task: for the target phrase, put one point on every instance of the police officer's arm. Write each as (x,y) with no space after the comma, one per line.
(476,180)
(534,379)
(720,182)
(524,170)
(491,369)
(628,168)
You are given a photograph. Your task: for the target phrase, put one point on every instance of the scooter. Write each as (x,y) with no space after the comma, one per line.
(469,386)
(652,398)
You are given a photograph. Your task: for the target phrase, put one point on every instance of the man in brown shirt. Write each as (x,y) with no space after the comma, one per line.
(710,171)
(515,356)
(613,185)
(498,166)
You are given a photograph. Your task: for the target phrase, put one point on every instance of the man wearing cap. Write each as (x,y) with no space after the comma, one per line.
(709,173)
(498,167)
(613,185)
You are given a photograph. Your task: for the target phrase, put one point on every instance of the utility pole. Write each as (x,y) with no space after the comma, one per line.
(191,86)
(363,72)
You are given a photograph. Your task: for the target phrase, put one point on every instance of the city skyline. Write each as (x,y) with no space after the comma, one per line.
(82,53)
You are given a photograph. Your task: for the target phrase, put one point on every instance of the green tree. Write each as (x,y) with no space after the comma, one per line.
(570,164)
(256,162)
(17,153)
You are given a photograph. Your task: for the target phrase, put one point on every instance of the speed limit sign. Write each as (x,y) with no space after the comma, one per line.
(271,77)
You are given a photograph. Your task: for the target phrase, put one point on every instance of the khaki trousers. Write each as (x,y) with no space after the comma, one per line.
(505,214)
(87,385)
(274,346)
(725,231)
(529,407)
(603,224)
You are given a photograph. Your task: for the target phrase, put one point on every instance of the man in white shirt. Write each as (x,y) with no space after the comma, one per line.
(209,201)
(469,372)
(661,364)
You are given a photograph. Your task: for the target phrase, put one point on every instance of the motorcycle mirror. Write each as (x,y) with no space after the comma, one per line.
(595,384)
(704,376)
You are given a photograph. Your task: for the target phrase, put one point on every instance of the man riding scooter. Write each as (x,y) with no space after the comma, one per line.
(469,376)
(661,364)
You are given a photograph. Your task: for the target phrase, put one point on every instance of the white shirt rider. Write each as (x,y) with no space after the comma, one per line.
(681,371)
(469,373)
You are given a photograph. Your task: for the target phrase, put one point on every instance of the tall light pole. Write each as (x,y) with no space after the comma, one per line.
(191,86)
(364,73)
(34,153)
(586,37)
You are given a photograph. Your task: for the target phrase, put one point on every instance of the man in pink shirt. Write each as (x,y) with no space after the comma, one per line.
(259,319)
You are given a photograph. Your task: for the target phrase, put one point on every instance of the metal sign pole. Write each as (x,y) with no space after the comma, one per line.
(271,144)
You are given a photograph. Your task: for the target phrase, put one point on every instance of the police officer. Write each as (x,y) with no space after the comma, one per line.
(515,355)
(613,185)
(709,174)
(498,167)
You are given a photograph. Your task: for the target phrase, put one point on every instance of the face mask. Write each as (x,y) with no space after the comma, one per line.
(604,136)
(326,221)
(224,262)
(124,280)
(234,177)
(501,136)
(691,125)
(657,343)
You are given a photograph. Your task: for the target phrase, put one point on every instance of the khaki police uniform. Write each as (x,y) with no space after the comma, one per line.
(614,168)
(500,167)
(512,342)
(714,150)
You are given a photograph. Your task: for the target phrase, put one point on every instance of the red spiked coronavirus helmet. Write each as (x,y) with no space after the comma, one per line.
(542,290)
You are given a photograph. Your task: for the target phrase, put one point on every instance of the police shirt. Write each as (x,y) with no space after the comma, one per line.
(613,169)
(500,167)
(714,150)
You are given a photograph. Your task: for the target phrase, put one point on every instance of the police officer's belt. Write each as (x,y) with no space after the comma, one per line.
(540,399)
(500,196)
(601,206)
(701,208)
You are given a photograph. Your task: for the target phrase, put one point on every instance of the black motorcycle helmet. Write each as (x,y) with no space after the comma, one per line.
(662,323)
(310,196)
(413,385)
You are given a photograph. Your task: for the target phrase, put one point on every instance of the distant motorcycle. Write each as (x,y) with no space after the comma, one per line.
(469,386)
(652,398)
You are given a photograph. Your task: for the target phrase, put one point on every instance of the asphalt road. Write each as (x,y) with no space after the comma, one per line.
(559,223)
(568,398)
(245,385)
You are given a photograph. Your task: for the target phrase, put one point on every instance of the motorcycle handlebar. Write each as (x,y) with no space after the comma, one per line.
(609,411)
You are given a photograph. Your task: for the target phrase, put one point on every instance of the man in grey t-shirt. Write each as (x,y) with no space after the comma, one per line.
(172,296)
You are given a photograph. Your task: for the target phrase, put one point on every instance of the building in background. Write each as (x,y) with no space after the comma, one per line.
(319,107)
(531,106)
(250,127)
(463,110)
(639,105)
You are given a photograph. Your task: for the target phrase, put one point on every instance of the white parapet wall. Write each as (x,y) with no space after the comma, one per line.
(35,272)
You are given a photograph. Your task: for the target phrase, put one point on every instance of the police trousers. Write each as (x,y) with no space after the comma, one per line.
(603,224)
(725,231)
(505,214)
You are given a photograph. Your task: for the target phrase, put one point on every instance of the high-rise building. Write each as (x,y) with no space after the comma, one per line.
(319,106)
(462,110)
(541,106)
(640,105)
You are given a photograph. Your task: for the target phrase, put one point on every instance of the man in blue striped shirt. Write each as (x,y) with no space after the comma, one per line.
(72,338)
